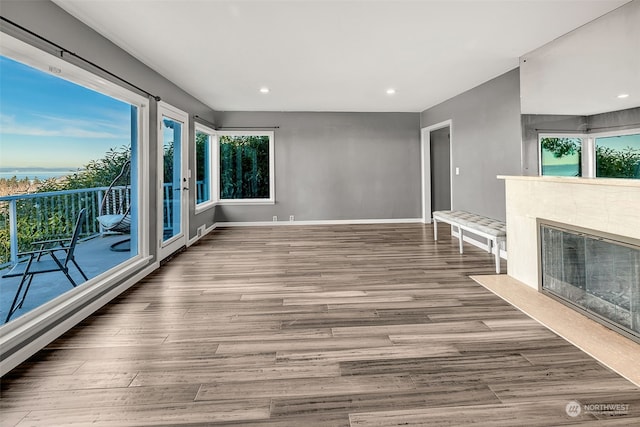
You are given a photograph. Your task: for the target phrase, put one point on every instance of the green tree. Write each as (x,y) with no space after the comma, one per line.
(96,173)
(244,167)
(561,147)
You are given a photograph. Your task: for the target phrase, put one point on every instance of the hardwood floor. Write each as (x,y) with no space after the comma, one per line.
(367,325)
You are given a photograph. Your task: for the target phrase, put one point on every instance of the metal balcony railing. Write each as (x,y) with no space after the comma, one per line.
(42,216)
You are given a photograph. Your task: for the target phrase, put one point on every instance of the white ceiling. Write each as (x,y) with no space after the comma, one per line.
(331,55)
(565,77)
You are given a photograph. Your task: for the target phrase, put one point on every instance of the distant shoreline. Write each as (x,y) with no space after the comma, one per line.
(33,174)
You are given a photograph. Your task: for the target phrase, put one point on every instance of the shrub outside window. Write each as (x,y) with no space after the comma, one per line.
(618,156)
(246,167)
(204,141)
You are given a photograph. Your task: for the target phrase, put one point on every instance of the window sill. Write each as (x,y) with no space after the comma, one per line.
(247,202)
(202,207)
(29,329)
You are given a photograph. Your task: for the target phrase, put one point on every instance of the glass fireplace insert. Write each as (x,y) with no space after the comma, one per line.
(594,272)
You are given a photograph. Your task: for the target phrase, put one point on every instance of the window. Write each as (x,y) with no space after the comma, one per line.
(246,167)
(560,156)
(204,142)
(603,155)
(71,143)
(618,156)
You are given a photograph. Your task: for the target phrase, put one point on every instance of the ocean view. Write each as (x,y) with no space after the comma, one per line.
(561,170)
(32,174)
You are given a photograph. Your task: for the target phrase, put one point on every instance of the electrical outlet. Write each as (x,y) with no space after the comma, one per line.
(457,171)
(292,218)
(275,218)
(201,231)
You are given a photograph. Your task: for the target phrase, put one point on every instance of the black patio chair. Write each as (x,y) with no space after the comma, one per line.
(45,260)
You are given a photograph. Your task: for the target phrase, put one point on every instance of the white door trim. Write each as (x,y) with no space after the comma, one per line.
(425,157)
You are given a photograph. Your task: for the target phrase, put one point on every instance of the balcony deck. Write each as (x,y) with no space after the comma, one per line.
(94,257)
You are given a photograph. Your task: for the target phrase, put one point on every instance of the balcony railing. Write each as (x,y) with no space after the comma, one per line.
(41,216)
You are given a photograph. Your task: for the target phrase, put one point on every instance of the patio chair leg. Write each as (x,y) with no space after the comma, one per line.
(79,269)
(64,269)
(24,295)
(15,300)
(66,273)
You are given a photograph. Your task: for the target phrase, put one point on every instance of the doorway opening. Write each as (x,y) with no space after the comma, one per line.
(437,157)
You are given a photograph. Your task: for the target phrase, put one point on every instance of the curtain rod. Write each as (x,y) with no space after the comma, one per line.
(587,130)
(86,61)
(614,127)
(214,127)
(205,121)
(561,130)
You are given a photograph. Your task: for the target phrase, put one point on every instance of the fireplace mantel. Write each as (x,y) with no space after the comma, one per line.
(606,205)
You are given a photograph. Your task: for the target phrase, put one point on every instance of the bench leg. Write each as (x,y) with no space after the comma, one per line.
(460,239)
(435,229)
(489,242)
(497,257)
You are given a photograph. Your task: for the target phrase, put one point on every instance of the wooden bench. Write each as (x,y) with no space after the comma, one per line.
(493,230)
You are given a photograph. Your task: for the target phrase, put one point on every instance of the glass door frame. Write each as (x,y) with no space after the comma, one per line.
(178,240)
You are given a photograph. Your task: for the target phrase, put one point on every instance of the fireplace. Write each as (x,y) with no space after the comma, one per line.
(593,272)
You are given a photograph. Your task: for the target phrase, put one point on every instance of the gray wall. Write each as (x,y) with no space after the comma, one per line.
(486,141)
(336,166)
(50,21)
(615,120)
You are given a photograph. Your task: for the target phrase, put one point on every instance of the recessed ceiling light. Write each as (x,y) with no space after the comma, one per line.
(623,95)
(391,91)
(264,90)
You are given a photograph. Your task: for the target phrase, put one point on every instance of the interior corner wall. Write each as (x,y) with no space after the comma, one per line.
(48,20)
(336,166)
(615,120)
(485,142)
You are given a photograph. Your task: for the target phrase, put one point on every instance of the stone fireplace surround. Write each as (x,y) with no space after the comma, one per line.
(612,206)
(606,205)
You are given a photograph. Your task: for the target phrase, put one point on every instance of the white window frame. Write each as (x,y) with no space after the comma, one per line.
(582,136)
(594,136)
(213,168)
(588,147)
(46,318)
(272,170)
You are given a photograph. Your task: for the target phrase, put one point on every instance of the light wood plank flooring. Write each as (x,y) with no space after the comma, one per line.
(367,325)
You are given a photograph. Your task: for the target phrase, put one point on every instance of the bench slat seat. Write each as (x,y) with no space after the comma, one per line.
(493,230)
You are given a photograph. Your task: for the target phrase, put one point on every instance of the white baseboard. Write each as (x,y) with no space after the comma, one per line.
(320,222)
(479,244)
(47,330)
(206,231)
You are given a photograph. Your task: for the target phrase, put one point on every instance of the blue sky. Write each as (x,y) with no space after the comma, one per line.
(46,121)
